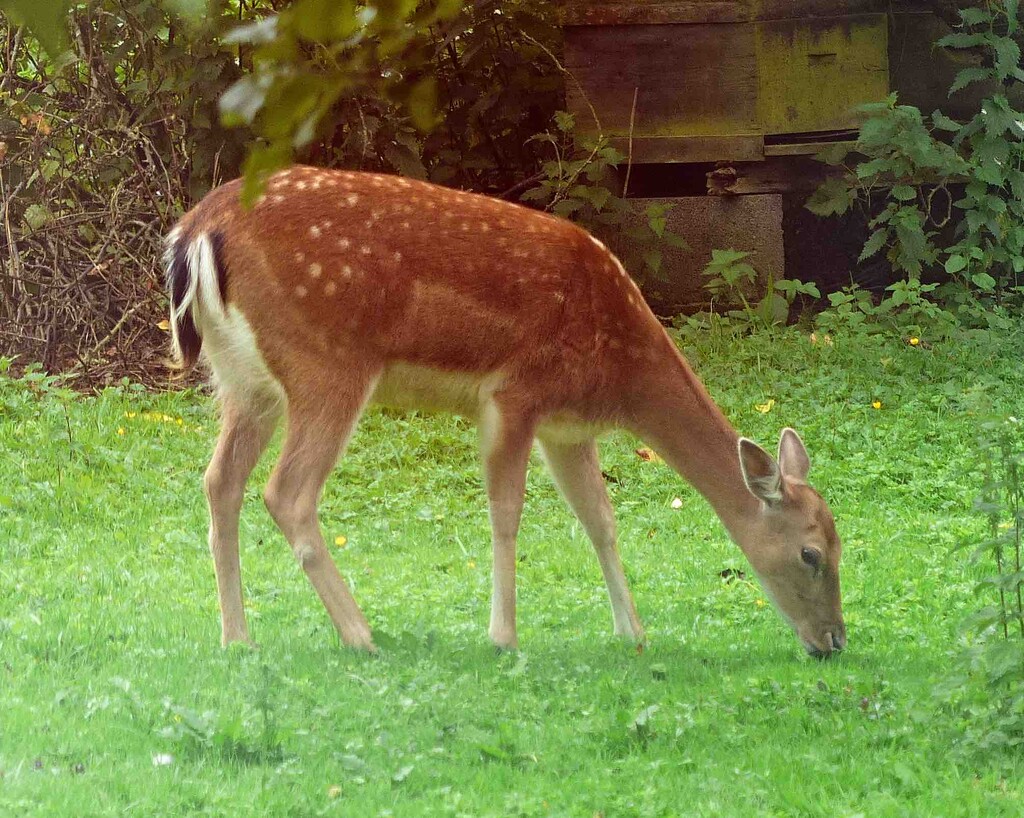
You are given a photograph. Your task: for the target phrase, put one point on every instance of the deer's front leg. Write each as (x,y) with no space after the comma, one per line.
(506,439)
(577,473)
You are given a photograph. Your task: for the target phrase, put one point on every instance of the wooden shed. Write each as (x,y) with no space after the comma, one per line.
(750,88)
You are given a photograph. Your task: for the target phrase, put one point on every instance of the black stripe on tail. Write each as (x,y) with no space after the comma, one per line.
(184,290)
(217,242)
(179,279)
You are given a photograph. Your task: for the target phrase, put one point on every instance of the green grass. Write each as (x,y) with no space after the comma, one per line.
(109,631)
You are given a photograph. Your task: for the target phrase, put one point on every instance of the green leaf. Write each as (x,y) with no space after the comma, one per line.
(984,282)
(37,216)
(599,196)
(675,240)
(325,21)
(961,39)
(191,10)
(722,258)
(565,122)
(422,104)
(904,192)
(652,259)
(262,160)
(944,123)
(975,16)
(566,207)
(967,76)
(834,154)
(1007,56)
(955,263)
(405,160)
(874,243)
(46,19)
(873,167)
(832,198)
(240,103)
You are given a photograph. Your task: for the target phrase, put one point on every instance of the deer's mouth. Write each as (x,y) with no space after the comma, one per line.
(833,641)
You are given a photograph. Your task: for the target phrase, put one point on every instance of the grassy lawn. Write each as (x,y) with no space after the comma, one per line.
(116,698)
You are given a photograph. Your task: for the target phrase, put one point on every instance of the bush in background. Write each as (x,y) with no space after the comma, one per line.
(946,198)
(107,137)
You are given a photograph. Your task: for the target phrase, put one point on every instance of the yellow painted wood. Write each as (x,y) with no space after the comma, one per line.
(812,74)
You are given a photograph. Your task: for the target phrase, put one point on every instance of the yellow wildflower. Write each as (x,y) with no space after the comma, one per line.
(876,404)
(765,408)
(914,340)
(340,540)
(120,430)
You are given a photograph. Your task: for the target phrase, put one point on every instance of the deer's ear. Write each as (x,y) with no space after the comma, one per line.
(793,459)
(760,472)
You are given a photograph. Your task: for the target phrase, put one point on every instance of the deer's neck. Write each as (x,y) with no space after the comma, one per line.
(676,416)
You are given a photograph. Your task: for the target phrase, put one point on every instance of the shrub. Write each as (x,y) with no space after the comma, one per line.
(946,198)
(987,689)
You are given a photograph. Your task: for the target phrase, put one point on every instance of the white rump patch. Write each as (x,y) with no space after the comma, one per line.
(229,344)
(239,370)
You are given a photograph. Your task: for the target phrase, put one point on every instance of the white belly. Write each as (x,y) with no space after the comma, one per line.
(404,386)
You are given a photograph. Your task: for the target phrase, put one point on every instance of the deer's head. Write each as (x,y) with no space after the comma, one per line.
(792,543)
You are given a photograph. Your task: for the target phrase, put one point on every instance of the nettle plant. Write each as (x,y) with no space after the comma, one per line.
(987,688)
(917,174)
(581,182)
(741,299)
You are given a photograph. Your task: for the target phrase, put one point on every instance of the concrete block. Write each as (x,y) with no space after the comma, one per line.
(752,223)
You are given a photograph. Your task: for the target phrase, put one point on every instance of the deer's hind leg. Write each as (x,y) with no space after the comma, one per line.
(320,424)
(245,430)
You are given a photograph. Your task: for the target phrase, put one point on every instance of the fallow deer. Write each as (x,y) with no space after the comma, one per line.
(340,289)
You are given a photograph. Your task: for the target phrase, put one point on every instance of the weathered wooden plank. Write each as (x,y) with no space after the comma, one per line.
(655,149)
(787,174)
(689,80)
(661,12)
(921,73)
(669,11)
(794,148)
(813,74)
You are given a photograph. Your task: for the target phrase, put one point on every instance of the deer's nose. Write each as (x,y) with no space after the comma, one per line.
(839,635)
(832,642)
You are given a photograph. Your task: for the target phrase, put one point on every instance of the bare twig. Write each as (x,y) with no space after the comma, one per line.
(519,187)
(570,75)
(629,157)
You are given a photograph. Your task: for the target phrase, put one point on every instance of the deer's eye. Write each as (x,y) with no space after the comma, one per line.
(812,556)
